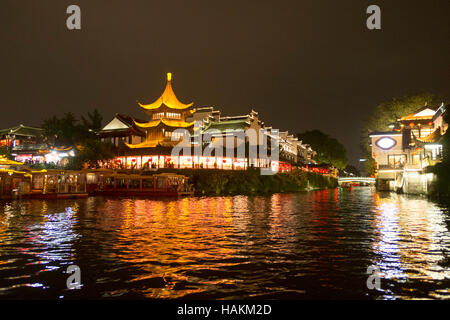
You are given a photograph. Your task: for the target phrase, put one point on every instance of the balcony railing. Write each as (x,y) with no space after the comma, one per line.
(391,167)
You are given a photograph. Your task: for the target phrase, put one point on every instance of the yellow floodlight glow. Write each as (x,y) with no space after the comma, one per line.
(169,76)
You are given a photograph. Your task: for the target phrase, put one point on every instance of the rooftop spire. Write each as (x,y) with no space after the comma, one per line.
(169,76)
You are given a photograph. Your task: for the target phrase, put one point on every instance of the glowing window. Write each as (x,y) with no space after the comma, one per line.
(173,115)
(158,115)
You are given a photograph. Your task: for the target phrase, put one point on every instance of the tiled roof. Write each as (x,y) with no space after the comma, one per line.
(22,130)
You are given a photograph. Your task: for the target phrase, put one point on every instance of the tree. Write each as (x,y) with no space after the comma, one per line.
(386,113)
(91,151)
(352,170)
(442,170)
(329,150)
(93,121)
(69,131)
(446,139)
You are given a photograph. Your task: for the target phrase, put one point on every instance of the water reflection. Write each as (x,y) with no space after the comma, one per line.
(412,240)
(306,245)
(33,245)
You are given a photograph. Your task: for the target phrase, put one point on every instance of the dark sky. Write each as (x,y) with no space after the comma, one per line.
(301,64)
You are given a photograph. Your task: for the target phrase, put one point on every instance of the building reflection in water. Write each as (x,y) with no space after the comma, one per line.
(283,245)
(46,239)
(409,238)
(168,239)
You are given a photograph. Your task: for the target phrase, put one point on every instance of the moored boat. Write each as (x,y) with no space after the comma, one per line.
(56,184)
(13,183)
(157,185)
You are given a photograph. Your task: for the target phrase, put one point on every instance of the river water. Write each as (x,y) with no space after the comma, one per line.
(310,245)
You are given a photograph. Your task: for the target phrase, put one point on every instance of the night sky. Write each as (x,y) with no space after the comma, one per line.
(301,64)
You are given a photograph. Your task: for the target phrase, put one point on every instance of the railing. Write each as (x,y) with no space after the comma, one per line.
(389,167)
(356,179)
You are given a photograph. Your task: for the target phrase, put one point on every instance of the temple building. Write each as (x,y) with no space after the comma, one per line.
(166,115)
(150,144)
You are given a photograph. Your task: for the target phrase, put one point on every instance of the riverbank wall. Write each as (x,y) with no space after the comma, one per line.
(433,182)
(251,182)
(408,183)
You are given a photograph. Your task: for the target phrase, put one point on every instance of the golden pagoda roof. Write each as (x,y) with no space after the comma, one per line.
(168,98)
(167,122)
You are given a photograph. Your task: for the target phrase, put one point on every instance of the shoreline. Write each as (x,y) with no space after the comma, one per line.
(216,182)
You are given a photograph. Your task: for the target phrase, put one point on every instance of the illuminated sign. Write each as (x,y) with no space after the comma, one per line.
(386,143)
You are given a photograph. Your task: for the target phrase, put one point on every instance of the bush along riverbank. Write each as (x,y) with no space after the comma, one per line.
(251,182)
(440,188)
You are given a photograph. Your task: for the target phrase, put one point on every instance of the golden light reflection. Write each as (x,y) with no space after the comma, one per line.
(174,234)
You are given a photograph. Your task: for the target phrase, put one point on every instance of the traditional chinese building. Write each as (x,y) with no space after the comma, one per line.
(165,129)
(122,129)
(403,156)
(21,134)
(220,139)
(167,114)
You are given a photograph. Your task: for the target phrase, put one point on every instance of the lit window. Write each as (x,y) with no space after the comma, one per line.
(158,115)
(397,160)
(173,115)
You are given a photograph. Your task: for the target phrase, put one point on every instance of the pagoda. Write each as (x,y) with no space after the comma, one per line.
(166,115)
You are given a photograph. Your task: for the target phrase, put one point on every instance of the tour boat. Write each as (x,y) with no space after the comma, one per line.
(56,184)
(156,185)
(13,183)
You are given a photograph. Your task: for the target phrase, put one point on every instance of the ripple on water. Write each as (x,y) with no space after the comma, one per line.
(289,246)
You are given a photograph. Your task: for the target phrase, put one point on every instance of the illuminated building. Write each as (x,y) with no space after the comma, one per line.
(26,145)
(21,134)
(166,115)
(404,155)
(172,123)
(42,153)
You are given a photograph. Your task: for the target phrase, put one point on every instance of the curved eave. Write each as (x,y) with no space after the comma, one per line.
(156,105)
(145,144)
(169,123)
